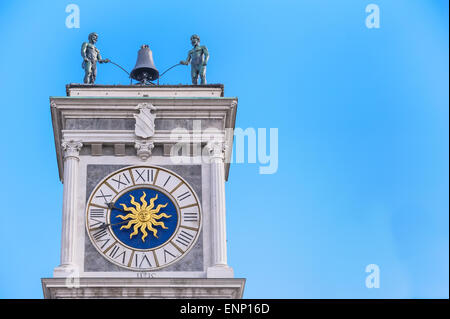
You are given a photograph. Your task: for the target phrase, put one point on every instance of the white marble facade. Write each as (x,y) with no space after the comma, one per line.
(100,128)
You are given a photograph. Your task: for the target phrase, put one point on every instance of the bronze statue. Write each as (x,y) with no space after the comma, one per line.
(90,56)
(198,57)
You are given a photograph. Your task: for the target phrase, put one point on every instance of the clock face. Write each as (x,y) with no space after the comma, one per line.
(143,217)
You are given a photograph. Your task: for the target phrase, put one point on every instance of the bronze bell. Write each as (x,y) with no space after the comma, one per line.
(144,70)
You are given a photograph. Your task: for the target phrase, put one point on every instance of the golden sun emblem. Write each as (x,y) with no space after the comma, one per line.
(144,216)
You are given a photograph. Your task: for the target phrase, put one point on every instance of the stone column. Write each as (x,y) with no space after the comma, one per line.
(71,161)
(219,268)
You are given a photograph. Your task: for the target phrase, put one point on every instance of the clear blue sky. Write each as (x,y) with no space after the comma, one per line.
(363,135)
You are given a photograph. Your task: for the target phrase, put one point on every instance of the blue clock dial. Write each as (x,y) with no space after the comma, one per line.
(143,217)
(147,218)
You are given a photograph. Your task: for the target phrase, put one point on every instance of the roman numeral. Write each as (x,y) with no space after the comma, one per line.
(97,213)
(190,217)
(114,251)
(183,196)
(104,196)
(184,238)
(145,258)
(167,181)
(119,182)
(99,235)
(144,175)
(166,252)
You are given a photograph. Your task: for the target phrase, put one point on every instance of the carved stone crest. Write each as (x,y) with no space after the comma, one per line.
(145,120)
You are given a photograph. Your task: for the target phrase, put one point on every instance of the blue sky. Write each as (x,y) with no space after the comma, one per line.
(362,116)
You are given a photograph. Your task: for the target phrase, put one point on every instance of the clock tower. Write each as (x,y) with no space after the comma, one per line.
(144,171)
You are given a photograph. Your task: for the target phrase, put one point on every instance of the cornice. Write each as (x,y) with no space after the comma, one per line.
(63,108)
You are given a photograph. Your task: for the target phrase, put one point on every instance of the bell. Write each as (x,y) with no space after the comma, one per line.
(144,70)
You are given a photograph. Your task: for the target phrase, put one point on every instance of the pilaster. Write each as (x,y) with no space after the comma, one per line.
(71,151)
(220,268)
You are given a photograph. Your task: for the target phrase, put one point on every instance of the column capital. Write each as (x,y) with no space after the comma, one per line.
(216,150)
(71,148)
(143,149)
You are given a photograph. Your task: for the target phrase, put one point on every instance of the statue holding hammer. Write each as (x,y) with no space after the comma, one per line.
(198,56)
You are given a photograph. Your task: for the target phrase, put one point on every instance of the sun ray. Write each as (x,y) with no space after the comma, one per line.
(156,210)
(138,206)
(126,216)
(130,223)
(150,228)
(143,201)
(129,209)
(152,202)
(161,215)
(143,231)
(135,229)
(159,224)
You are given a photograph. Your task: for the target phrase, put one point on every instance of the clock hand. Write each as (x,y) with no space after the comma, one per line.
(107,225)
(111,206)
